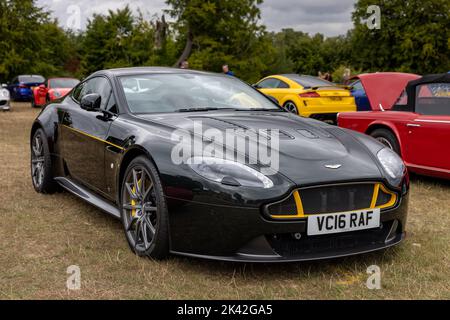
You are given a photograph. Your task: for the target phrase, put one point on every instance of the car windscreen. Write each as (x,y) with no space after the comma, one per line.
(162,93)
(63,83)
(310,82)
(31,79)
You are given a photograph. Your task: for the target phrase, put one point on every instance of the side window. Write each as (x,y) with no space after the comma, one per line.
(98,85)
(433,99)
(270,83)
(357,86)
(283,85)
(76,94)
(112,106)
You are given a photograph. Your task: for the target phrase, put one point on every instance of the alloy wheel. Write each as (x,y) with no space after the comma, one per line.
(37,161)
(140,209)
(291,107)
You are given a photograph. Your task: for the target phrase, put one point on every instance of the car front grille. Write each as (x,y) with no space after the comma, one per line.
(332,199)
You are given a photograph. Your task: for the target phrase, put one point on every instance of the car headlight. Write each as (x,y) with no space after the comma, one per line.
(4,93)
(229,172)
(393,165)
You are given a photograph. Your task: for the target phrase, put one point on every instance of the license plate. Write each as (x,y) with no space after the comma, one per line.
(336,98)
(343,222)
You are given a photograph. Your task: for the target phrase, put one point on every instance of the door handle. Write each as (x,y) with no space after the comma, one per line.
(415,125)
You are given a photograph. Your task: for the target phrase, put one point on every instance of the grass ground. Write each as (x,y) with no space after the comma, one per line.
(41,236)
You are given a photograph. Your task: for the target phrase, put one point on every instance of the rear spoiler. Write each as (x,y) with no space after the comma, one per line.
(334,86)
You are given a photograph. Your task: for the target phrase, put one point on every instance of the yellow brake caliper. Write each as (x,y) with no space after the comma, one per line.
(133,202)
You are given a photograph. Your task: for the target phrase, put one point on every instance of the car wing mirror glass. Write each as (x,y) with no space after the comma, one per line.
(91,102)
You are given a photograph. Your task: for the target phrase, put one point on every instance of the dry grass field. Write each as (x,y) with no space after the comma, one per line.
(40,236)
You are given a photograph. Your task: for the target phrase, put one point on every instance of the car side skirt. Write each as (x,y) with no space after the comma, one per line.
(88,196)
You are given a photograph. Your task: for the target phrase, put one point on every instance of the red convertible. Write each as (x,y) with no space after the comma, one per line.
(416,124)
(52,89)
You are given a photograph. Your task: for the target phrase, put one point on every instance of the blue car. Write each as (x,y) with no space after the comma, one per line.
(21,87)
(361,99)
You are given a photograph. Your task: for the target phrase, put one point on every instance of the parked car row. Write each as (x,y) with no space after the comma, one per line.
(35,88)
(408,113)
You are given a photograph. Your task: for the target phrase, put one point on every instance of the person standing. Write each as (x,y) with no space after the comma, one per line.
(226,70)
(184,64)
(346,76)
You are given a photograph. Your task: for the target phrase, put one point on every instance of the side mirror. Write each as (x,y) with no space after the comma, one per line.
(91,102)
(256,86)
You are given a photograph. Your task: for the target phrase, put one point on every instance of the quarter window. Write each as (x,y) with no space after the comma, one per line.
(283,85)
(433,99)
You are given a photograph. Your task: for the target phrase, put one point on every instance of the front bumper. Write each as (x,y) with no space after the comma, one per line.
(5,105)
(245,235)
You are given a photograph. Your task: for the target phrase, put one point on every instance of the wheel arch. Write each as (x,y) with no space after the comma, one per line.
(35,127)
(387,126)
(131,154)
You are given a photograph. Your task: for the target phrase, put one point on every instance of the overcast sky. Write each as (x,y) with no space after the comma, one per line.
(330,17)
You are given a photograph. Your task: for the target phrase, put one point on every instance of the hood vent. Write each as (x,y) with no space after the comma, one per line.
(307,134)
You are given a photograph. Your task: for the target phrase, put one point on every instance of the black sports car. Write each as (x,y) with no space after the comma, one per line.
(145,145)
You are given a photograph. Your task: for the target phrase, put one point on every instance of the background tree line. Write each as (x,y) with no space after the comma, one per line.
(414,37)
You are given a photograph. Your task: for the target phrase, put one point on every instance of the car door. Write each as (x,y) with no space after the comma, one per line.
(13,87)
(84,135)
(429,132)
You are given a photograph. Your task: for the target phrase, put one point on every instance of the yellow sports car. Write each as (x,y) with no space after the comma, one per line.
(308,96)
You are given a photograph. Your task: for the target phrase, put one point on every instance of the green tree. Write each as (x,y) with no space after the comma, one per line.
(414,36)
(31,41)
(214,32)
(118,39)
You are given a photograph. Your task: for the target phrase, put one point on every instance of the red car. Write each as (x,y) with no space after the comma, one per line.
(52,89)
(416,124)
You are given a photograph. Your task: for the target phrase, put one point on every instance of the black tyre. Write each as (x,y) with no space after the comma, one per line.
(41,164)
(388,138)
(144,210)
(291,107)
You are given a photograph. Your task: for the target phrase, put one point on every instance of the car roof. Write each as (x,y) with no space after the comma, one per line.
(146,70)
(56,78)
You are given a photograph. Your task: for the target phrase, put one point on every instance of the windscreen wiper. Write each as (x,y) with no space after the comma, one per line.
(261,109)
(203,109)
(196,109)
